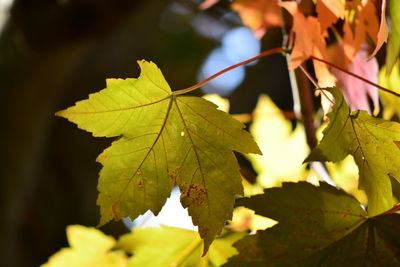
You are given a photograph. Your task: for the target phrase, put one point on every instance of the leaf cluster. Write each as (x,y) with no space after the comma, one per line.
(163,138)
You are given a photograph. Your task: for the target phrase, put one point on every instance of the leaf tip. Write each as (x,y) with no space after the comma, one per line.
(61,113)
(206,246)
(315,155)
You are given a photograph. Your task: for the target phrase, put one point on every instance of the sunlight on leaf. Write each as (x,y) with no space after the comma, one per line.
(168,246)
(309,41)
(89,247)
(329,11)
(245,219)
(344,173)
(372,143)
(222,103)
(393,47)
(164,139)
(391,103)
(283,149)
(361,22)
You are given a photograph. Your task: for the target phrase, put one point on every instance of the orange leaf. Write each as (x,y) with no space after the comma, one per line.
(365,23)
(329,11)
(259,15)
(309,41)
(383,30)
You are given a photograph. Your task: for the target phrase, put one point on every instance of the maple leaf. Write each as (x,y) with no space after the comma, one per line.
(318,226)
(165,138)
(274,134)
(89,248)
(259,15)
(329,11)
(169,246)
(365,23)
(393,47)
(309,41)
(372,143)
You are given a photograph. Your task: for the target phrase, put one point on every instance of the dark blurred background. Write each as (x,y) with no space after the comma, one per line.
(54,53)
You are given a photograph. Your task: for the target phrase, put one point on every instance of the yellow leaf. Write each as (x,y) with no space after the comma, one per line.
(283,149)
(391,103)
(89,247)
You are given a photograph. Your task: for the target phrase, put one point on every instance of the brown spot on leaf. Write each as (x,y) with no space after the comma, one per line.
(175,174)
(140,183)
(115,209)
(193,193)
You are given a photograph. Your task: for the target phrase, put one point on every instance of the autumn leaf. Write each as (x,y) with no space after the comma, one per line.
(309,42)
(89,247)
(329,11)
(393,47)
(383,30)
(308,35)
(275,136)
(169,246)
(259,15)
(364,22)
(165,138)
(372,143)
(318,226)
(391,103)
(357,92)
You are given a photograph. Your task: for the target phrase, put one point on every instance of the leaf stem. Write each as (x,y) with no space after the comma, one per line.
(395,208)
(198,85)
(356,76)
(314,82)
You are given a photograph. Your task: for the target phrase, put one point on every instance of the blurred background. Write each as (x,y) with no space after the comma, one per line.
(56,52)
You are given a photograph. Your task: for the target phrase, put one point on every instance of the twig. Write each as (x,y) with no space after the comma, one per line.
(356,76)
(198,85)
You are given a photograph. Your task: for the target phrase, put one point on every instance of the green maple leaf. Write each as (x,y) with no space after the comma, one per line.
(373,144)
(165,138)
(169,246)
(318,226)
